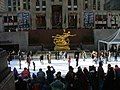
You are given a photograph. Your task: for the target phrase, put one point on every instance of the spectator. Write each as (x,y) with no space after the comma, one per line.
(109,81)
(117,77)
(41,74)
(20,84)
(117,72)
(41,59)
(41,77)
(50,74)
(86,72)
(100,75)
(35,83)
(25,73)
(15,73)
(59,77)
(57,84)
(69,78)
(46,86)
(82,82)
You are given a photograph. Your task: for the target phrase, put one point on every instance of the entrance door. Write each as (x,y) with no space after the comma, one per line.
(56,16)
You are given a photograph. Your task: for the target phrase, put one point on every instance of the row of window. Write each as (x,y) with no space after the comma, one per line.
(54,0)
(72,21)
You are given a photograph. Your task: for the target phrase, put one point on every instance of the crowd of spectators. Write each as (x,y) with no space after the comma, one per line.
(83,79)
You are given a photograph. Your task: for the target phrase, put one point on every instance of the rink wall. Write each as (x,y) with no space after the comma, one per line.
(15,40)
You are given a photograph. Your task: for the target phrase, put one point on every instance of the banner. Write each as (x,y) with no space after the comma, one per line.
(24,20)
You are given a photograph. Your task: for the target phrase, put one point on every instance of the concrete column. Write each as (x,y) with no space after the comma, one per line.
(1,23)
(33,14)
(21,5)
(48,14)
(101,4)
(96,4)
(65,14)
(81,13)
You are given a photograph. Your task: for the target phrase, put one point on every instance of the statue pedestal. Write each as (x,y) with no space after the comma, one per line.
(61,48)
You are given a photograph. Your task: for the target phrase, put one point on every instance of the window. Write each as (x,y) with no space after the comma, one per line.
(75,2)
(40,21)
(24,6)
(60,0)
(15,18)
(86,6)
(69,9)
(24,0)
(37,9)
(10,19)
(43,9)
(29,6)
(98,5)
(75,8)
(52,0)
(18,8)
(5,19)
(69,2)
(14,2)
(43,3)
(72,21)
(14,8)
(9,2)
(37,3)
(9,9)
(18,3)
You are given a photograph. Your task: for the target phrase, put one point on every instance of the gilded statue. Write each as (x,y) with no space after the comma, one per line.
(62,41)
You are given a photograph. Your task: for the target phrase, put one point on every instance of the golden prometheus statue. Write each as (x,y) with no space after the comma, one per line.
(62,41)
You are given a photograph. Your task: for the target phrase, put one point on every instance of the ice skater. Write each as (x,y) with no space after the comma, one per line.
(84,56)
(28,61)
(69,60)
(33,66)
(94,56)
(49,57)
(41,59)
(77,59)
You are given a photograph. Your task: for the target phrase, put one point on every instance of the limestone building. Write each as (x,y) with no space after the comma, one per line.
(52,14)
(2,10)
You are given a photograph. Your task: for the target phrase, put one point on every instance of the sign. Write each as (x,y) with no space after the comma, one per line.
(88,19)
(24,20)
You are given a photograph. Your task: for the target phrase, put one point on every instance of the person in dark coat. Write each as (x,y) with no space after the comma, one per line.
(100,75)
(15,73)
(41,58)
(46,86)
(109,80)
(82,82)
(69,78)
(59,77)
(93,78)
(117,77)
(77,59)
(50,74)
(35,84)
(21,85)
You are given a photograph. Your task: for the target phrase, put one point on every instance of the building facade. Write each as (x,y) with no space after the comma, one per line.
(2,10)
(112,5)
(40,15)
(57,14)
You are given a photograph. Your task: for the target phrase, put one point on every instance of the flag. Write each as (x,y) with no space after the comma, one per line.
(65,20)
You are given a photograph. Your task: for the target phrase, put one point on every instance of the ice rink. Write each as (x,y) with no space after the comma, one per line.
(59,65)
